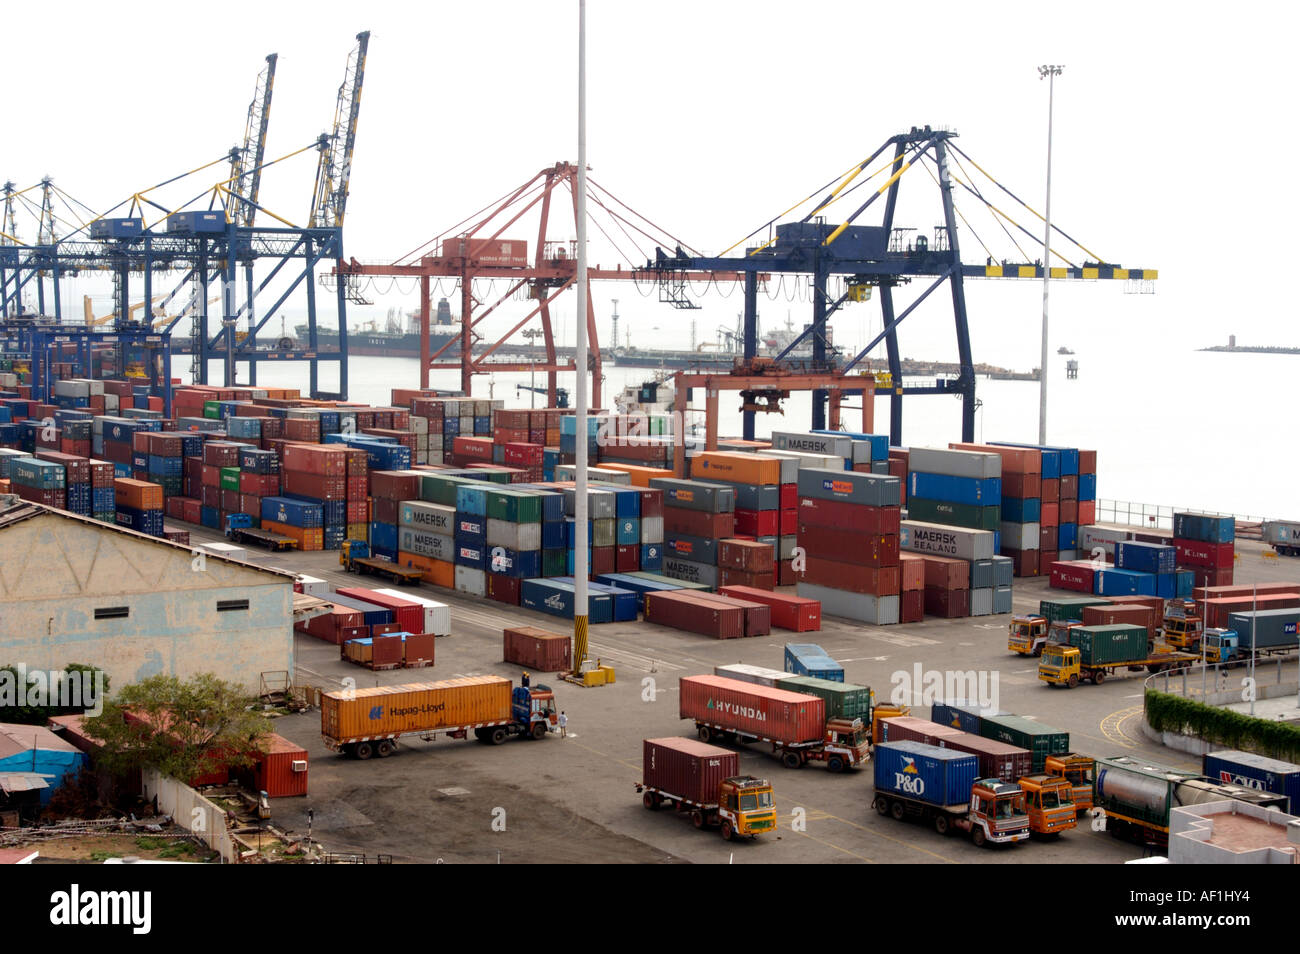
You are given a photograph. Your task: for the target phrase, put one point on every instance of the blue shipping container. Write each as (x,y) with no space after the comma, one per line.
(517,564)
(296,513)
(1208,528)
(982,492)
(1022,509)
(1087,486)
(556,599)
(383,536)
(624,601)
(652,557)
(1067,536)
(925,772)
(1144,557)
(809,659)
(1255,771)
(371,614)
(1113,582)
(553,536)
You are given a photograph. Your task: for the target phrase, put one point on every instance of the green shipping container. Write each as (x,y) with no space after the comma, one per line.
(230,478)
(1041,740)
(954,514)
(514,506)
(555,563)
(212,409)
(1102,645)
(1067,607)
(441,488)
(843,699)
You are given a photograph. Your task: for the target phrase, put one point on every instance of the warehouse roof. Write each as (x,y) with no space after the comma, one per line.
(23,510)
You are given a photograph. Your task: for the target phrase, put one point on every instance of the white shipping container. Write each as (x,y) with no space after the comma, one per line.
(863,607)
(757,675)
(826,445)
(652,529)
(938,539)
(437,616)
(313,586)
(514,536)
(471,580)
(954,463)
(1020,536)
(981,601)
(1090,538)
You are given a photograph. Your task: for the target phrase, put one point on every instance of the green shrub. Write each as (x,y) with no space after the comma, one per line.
(1169,713)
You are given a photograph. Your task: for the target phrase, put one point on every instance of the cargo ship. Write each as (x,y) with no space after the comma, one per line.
(397,339)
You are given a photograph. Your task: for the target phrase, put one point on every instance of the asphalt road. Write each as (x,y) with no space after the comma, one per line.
(574,799)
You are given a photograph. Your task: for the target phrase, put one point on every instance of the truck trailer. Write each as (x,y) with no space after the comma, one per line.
(1097,651)
(705,782)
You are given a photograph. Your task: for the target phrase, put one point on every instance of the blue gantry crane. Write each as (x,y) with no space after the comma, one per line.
(881,257)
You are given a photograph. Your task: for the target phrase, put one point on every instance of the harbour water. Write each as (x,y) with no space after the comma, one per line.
(1176,427)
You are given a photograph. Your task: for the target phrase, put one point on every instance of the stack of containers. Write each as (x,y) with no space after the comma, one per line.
(760,513)
(848,527)
(426,539)
(911,605)
(76,480)
(636,440)
(944,586)
(164,455)
(948,591)
(259,478)
(471,537)
(569,438)
(955,487)
(1147,559)
(40,481)
(220,491)
(391,493)
(316,474)
(430,410)
(139,505)
(514,538)
(696,515)
(103,497)
(1022,503)
(1205,545)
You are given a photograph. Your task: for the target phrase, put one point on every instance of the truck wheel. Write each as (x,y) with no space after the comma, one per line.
(897,810)
(791,760)
(650,800)
(941,824)
(498,735)
(882,806)
(539,730)
(977,836)
(1099,677)
(1074,681)
(697,819)
(727,831)
(835,763)
(363,750)
(385,748)
(705,734)
(480,735)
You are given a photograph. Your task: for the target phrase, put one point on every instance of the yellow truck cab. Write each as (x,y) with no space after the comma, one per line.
(1183,632)
(745,806)
(1049,801)
(1027,635)
(1079,771)
(1059,665)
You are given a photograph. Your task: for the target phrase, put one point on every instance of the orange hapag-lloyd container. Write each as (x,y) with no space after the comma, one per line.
(741,468)
(384,712)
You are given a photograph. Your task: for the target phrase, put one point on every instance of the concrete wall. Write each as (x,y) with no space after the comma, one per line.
(56,571)
(1190,832)
(190,810)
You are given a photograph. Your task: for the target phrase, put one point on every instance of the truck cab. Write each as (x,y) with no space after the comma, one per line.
(847,744)
(881,712)
(238,521)
(1027,635)
(1049,801)
(1078,770)
(353,550)
(746,804)
(1221,645)
(997,813)
(1183,632)
(533,709)
(1059,665)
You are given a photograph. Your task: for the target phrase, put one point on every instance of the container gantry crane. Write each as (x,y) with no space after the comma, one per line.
(879,256)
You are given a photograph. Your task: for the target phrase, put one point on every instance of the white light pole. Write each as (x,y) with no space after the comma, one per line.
(1050,73)
(580,353)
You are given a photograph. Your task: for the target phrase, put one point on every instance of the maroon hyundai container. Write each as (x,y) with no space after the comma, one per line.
(769,714)
(691,770)
(684,610)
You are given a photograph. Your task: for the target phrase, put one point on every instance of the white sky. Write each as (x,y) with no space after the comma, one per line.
(711,118)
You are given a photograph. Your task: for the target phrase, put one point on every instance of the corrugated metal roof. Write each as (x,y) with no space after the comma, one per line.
(12,782)
(27,737)
(26,510)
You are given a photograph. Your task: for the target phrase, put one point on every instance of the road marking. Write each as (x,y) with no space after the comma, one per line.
(899,639)
(1113,726)
(635,660)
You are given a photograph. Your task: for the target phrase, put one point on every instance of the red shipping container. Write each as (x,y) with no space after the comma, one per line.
(1069,511)
(537,649)
(911,571)
(325,460)
(839,515)
(250,504)
(758,581)
(358,488)
(603,560)
(1051,515)
(1216,611)
(1194,553)
(758,523)
(847,546)
(686,768)
(259,485)
(1051,489)
(1132,613)
(221,454)
(419,649)
(383,629)
(788,522)
(751,557)
(627,559)
(279,768)
(697,523)
(385,511)
(210,496)
(758,616)
(948,604)
(1069,487)
(789,496)
(316,486)
(1023,562)
(1047,537)
(796,613)
(1212,591)
(1087,512)
(1023,486)
(473,448)
(1153,602)
(395,484)
(683,610)
(1087,461)
(767,714)
(503,589)
(911,606)
(878,581)
(336,627)
(652,502)
(785,575)
(408,615)
(1073,575)
(230,501)
(948,573)
(1046,558)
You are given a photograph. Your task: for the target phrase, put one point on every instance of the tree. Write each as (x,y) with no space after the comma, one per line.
(182,728)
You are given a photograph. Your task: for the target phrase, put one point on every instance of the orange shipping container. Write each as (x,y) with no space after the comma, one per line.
(739,468)
(307,539)
(640,475)
(139,494)
(438,572)
(384,712)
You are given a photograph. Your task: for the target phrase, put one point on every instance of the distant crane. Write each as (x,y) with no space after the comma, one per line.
(334,170)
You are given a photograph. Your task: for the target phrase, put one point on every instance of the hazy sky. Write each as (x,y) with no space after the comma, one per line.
(711,118)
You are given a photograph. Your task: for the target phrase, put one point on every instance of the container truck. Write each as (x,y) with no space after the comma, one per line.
(1079,771)
(1049,801)
(1137,796)
(1183,632)
(996,759)
(366,722)
(793,723)
(1096,651)
(1265,632)
(1221,646)
(1248,770)
(942,787)
(1031,634)
(705,781)
(355,557)
(1283,536)
(240,529)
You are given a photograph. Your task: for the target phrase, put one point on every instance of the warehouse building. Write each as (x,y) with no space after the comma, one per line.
(74,590)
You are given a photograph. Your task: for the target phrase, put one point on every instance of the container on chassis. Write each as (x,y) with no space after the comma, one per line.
(705,781)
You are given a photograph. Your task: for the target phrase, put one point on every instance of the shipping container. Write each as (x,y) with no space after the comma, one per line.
(809,659)
(996,759)
(863,607)
(537,649)
(941,540)
(939,777)
(758,616)
(758,675)
(1265,629)
(1259,772)
(1107,644)
(436,616)
(844,700)
(776,715)
(1065,607)
(694,613)
(837,514)
(788,612)
(692,770)
(1041,740)
(1133,614)
(385,712)
(872,490)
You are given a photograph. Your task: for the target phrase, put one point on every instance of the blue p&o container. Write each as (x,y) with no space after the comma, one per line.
(925,772)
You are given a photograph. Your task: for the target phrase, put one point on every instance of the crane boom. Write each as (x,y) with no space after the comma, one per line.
(335,166)
(246,162)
